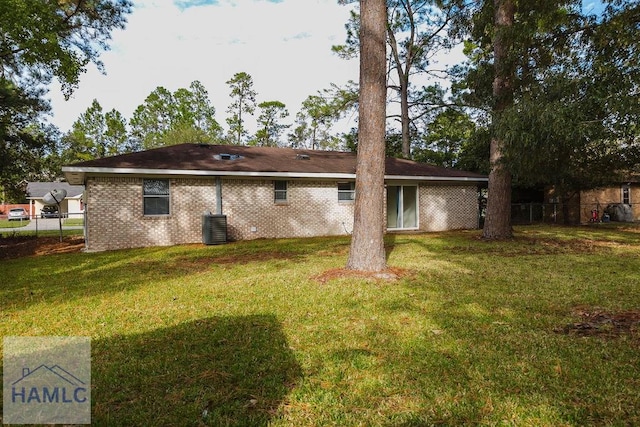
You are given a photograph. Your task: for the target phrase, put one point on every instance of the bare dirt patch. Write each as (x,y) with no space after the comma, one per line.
(595,321)
(22,246)
(526,245)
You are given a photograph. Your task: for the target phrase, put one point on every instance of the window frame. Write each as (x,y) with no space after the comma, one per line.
(350,193)
(279,192)
(401,208)
(149,197)
(626,194)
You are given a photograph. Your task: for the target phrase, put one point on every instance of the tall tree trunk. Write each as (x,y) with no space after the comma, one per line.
(367,242)
(239,121)
(404,116)
(498,221)
(403,88)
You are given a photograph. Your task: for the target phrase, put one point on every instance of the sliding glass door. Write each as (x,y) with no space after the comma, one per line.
(402,206)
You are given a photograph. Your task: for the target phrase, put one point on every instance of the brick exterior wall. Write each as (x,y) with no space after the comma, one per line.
(448,207)
(115,213)
(311,209)
(601,197)
(115,216)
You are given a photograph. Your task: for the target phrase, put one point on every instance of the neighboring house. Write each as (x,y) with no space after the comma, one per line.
(71,206)
(618,201)
(160,196)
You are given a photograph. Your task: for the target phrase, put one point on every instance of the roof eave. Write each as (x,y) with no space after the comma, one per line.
(77,174)
(436,178)
(77,171)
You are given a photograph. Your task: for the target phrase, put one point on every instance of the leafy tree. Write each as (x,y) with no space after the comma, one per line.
(167,118)
(569,115)
(445,138)
(270,127)
(25,142)
(40,41)
(152,120)
(46,39)
(116,135)
(87,137)
(474,153)
(181,133)
(318,115)
(95,135)
(416,33)
(367,244)
(244,102)
(314,124)
(498,218)
(194,110)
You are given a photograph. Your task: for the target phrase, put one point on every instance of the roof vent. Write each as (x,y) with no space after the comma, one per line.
(302,157)
(227,156)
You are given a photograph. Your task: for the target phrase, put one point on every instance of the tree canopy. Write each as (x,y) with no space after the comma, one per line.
(41,41)
(569,115)
(243,101)
(167,118)
(270,127)
(416,33)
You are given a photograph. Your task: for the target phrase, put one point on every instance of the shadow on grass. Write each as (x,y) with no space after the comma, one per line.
(72,276)
(222,371)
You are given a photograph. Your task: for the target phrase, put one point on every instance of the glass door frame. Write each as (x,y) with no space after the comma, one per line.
(400,208)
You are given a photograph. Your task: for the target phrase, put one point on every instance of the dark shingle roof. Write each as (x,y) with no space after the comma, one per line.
(255,161)
(37,190)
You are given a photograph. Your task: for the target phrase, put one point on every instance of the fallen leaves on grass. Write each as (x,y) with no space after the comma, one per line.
(596,321)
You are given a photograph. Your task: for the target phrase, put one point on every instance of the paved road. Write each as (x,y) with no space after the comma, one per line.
(41,224)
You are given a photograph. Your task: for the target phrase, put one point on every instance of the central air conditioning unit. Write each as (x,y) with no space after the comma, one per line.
(214,229)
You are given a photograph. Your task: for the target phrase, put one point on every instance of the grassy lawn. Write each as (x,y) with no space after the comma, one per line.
(68,222)
(539,331)
(5,223)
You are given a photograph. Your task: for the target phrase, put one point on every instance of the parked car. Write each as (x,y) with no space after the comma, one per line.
(16,214)
(49,211)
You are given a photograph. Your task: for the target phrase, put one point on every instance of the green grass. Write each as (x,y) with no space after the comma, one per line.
(475,333)
(68,222)
(5,223)
(40,233)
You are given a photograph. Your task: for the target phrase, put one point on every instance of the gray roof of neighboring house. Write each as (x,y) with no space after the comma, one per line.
(238,161)
(37,190)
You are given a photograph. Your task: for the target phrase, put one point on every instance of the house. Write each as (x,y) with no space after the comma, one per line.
(160,196)
(71,206)
(615,200)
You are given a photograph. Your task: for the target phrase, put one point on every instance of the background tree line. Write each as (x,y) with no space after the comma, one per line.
(568,115)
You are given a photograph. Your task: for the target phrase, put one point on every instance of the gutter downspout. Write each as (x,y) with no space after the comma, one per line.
(85,217)
(218,196)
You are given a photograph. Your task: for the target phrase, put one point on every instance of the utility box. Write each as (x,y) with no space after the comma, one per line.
(214,229)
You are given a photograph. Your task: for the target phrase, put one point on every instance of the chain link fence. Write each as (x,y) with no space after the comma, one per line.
(573,213)
(41,223)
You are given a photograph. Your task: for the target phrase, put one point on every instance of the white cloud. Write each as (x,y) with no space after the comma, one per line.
(285,46)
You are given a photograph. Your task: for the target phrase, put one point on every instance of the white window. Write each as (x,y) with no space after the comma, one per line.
(280,191)
(346,191)
(156,196)
(626,195)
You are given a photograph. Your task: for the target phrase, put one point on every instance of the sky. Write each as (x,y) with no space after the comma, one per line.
(285,45)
